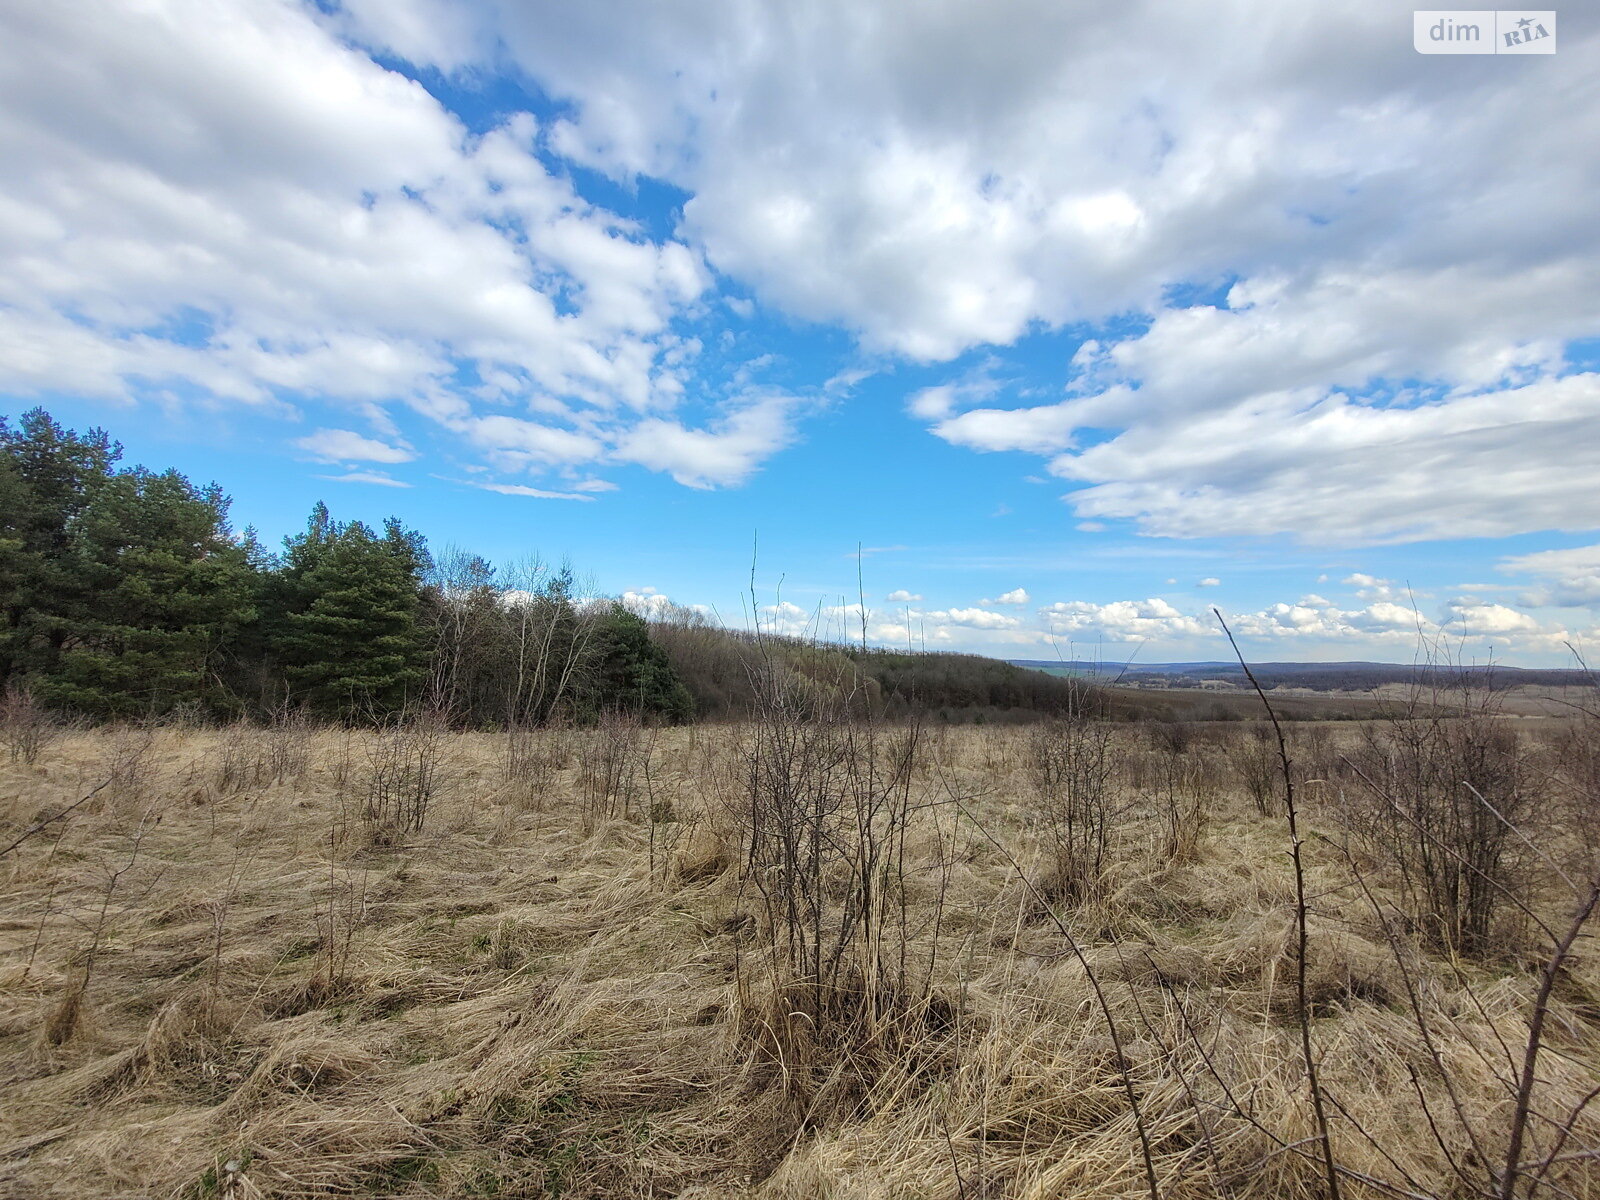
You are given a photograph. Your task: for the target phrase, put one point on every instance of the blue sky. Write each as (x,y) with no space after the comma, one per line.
(1078,320)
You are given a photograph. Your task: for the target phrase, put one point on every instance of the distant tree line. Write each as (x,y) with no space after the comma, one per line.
(718,666)
(126,593)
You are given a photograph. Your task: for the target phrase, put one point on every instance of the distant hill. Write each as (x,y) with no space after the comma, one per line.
(1320,677)
(720,667)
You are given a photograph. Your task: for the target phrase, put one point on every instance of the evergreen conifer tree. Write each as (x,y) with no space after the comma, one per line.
(632,673)
(351,641)
(119,590)
(48,475)
(165,590)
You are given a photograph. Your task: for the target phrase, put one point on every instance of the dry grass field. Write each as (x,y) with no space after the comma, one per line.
(962,963)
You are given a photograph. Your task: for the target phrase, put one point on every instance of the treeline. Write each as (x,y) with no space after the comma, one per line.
(970,687)
(126,593)
(718,666)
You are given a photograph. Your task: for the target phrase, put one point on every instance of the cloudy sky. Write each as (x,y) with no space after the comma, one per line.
(1077,319)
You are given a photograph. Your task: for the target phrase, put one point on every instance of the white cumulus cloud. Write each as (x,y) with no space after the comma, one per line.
(724,454)
(1016,596)
(238,204)
(342,445)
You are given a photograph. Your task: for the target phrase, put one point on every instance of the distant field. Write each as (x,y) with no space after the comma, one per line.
(1319,677)
(1307,691)
(1233,704)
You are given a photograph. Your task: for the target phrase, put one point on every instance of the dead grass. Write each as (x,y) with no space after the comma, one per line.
(212,983)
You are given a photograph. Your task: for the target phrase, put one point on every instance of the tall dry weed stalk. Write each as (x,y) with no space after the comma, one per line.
(1323,1137)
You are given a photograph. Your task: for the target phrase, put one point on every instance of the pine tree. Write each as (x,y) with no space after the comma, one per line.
(248,672)
(282,597)
(632,673)
(165,592)
(119,590)
(123,592)
(351,641)
(48,475)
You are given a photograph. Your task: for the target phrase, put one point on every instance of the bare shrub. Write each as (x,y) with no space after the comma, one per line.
(1444,804)
(337,915)
(1183,792)
(238,758)
(286,745)
(252,756)
(1431,781)
(1073,804)
(1540,1141)
(1175,783)
(668,828)
(184,718)
(1254,759)
(27,728)
(126,764)
(1174,737)
(402,777)
(96,922)
(343,765)
(828,806)
(1573,767)
(611,769)
(1315,748)
(530,758)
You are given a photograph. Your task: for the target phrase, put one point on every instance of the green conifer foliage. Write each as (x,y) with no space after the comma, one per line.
(165,590)
(48,475)
(121,590)
(351,642)
(632,673)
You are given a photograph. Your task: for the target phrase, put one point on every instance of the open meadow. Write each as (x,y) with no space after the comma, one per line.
(800,957)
